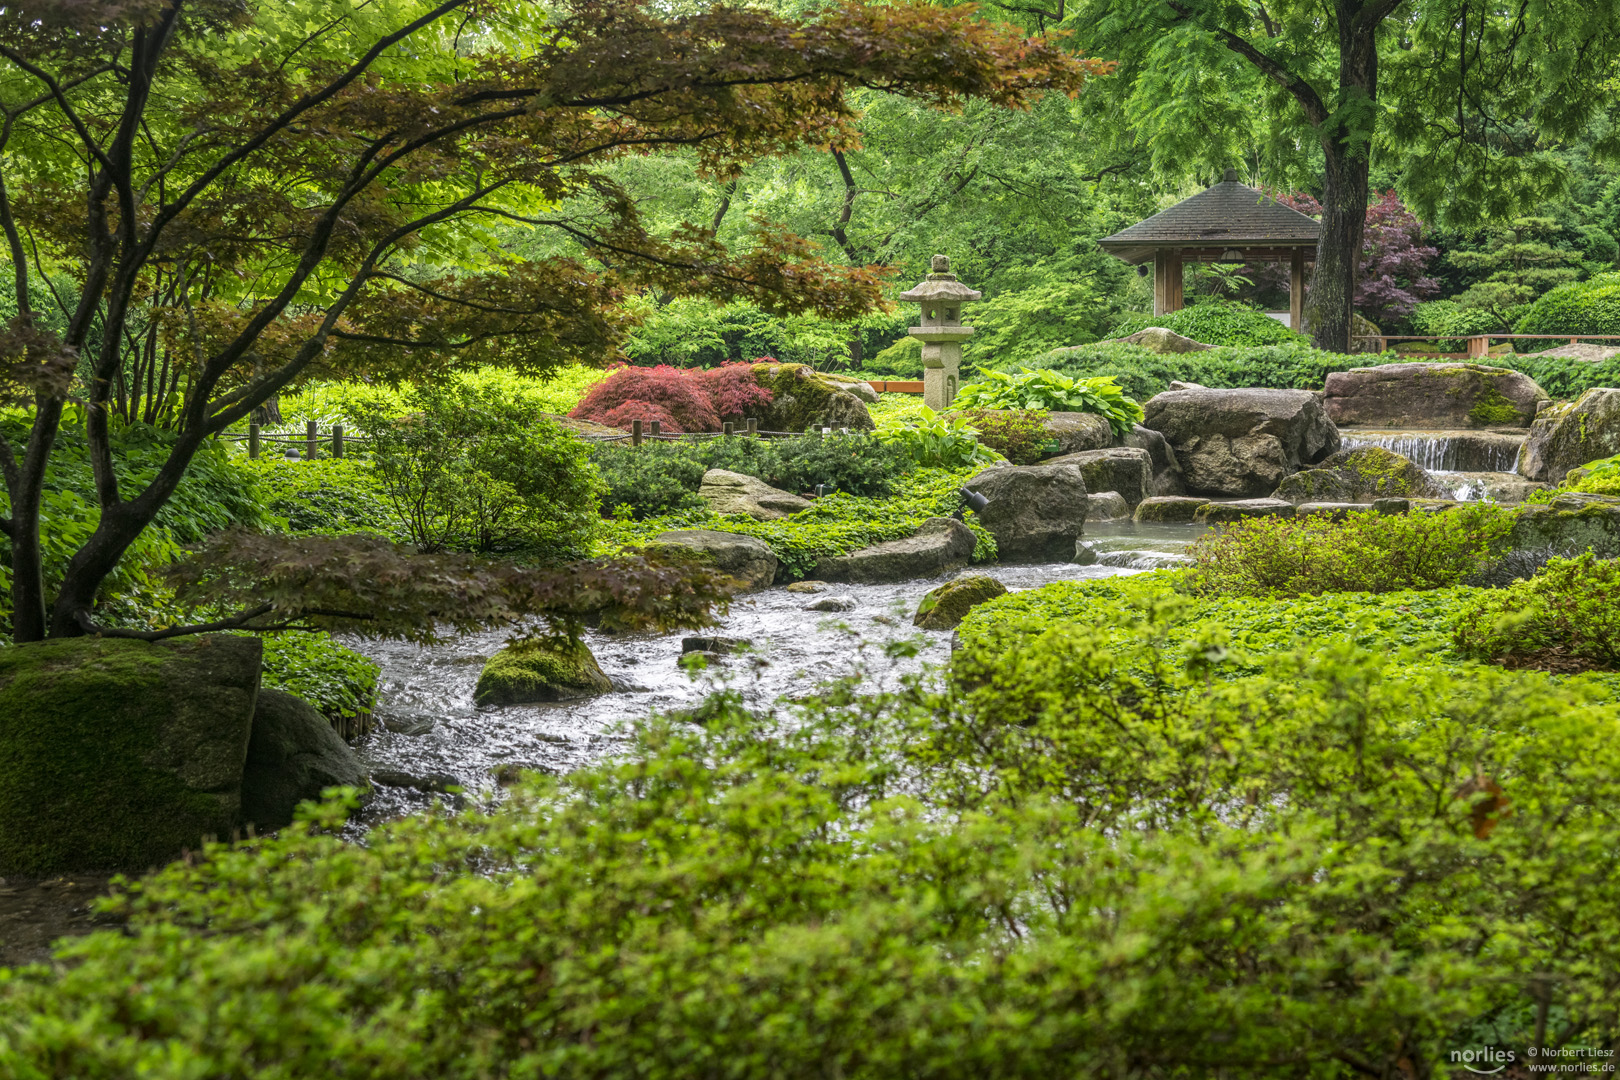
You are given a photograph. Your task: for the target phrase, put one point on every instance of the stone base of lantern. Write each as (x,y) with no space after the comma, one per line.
(942,363)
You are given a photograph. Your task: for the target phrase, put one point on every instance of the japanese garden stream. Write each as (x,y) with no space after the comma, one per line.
(429,734)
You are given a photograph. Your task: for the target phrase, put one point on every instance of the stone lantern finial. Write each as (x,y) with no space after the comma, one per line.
(942,332)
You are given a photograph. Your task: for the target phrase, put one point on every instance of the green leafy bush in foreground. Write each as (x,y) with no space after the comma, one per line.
(1366,552)
(1053,391)
(1569,611)
(1350,864)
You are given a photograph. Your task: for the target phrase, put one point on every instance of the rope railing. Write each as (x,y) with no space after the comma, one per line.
(1479,345)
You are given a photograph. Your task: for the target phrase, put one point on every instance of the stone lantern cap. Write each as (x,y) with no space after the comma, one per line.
(940,286)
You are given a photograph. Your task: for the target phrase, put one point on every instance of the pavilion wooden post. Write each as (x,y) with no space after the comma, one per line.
(1296,290)
(1167,288)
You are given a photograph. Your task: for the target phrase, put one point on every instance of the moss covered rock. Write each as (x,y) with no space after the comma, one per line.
(117,754)
(1241,510)
(1169,509)
(293,756)
(528,672)
(943,608)
(747,561)
(1361,475)
(803,399)
(1443,395)
(1573,522)
(1566,438)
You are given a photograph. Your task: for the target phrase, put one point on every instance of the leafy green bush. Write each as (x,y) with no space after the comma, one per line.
(1449,317)
(324,497)
(1019,435)
(1142,373)
(339,682)
(1215,323)
(1581,307)
(938,442)
(1570,609)
(663,477)
(1366,552)
(1312,865)
(467,470)
(1601,477)
(1053,391)
(902,360)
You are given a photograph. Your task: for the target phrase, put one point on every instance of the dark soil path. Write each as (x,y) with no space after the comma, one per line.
(35,912)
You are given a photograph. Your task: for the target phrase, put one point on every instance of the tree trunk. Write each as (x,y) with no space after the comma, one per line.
(27,553)
(1338,253)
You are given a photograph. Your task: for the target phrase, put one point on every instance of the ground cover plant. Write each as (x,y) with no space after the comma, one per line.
(938,441)
(1205,872)
(1051,390)
(1564,618)
(1019,435)
(1364,552)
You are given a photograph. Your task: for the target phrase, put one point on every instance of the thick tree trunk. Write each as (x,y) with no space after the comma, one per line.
(1338,254)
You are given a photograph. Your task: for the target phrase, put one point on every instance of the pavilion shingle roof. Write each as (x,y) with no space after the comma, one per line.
(1227,213)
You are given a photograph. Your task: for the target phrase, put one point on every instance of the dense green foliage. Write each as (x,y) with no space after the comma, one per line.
(339,682)
(1601,477)
(835,525)
(327,496)
(1449,317)
(938,442)
(1582,307)
(1365,552)
(1141,373)
(1019,435)
(1215,323)
(468,470)
(1051,390)
(663,477)
(1211,849)
(1570,609)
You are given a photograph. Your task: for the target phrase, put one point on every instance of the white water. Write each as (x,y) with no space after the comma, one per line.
(1443,451)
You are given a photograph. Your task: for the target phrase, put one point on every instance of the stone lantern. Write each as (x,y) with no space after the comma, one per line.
(942,332)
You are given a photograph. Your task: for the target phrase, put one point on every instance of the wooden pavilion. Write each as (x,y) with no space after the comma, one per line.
(1226,222)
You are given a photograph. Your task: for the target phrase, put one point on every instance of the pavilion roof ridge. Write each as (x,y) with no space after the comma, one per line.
(1224,214)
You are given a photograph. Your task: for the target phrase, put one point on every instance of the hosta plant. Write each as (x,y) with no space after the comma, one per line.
(1053,390)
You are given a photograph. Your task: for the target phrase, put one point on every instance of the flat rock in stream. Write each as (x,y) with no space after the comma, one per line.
(941,544)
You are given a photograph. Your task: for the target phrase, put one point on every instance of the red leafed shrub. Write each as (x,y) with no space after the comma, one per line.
(735,391)
(680,399)
(621,415)
(682,394)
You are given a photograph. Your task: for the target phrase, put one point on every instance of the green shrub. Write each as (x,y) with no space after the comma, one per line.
(1053,391)
(1019,435)
(1449,317)
(1215,323)
(324,497)
(902,360)
(1581,307)
(471,471)
(1142,373)
(339,682)
(1166,876)
(1569,609)
(1601,477)
(938,442)
(660,478)
(1366,552)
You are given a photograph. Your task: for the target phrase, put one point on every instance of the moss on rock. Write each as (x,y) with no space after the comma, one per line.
(534,671)
(1361,474)
(943,608)
(118,754)
(803,399)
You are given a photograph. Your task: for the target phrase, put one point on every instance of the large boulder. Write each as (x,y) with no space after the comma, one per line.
(1566,438)
(738,493)
(940,545)
(1433,395)
(1106,506)
(1241,442)
(803,399)
(863,390)
(1169,509)
(1124,469)
(1214,513)
(945,607)
(118,754)
(1571,521)
(1072,432)
(1036,512)
(293,755)
(1166,469)
(1360,475)
(534,671)
(746,561)
(1160,340)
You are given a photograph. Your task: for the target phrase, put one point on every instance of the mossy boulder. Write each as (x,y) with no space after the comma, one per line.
(1568,437)
(1572,521)
(1036,512)
(943,608)
(531,672)
(1241,510)
(1241,442)
(292,756)
(1169,509)
(119,754)
(1433,395)
(747,561)
(803,399)
(1123,469)
(1360,475)
(1162,341)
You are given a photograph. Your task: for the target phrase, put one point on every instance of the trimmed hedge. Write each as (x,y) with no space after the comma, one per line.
(1215,323)
(1581,307)
(1141,373)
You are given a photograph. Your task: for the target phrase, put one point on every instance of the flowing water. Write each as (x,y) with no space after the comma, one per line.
(430,735)
(1471,465)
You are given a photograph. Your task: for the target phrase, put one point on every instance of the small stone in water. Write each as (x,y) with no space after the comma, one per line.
(721,646)
(439,782)
(409,725)
(832,603)
(806,586)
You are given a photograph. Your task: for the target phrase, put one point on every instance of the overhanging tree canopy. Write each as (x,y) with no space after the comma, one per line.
(221,198)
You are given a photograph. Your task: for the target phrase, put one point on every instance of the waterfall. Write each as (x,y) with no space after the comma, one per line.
(1445,451)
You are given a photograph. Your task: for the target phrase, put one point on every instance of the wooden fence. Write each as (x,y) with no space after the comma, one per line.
(1479,345)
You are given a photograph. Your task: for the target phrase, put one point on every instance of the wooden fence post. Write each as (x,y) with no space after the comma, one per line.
(337,440)
(657,428)
(312,439)
(726,429)
(753,427)
(253,441)
(635,433)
